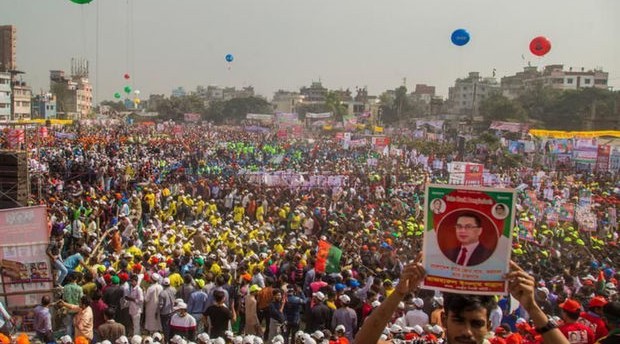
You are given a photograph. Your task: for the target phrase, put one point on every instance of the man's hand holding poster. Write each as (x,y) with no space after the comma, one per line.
(468,239)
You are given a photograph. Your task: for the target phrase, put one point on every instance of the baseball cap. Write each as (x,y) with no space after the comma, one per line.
(166,281)
(255,288)
(418,302)
(597,301)
(319,296)
(395,329)
(344,298)
(340,328)
(571,306)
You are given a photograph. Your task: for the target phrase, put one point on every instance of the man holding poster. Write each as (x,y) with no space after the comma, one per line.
(467,246)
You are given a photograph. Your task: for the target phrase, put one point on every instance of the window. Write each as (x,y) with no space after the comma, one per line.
(569,81)
(586,81)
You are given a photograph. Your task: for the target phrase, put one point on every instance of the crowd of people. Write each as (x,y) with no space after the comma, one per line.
(188,238)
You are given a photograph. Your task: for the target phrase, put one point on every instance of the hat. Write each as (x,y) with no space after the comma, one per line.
(499,330)
(319,296)
(436,329)
(66,339)
(255,288)
(277,339)
(219,340)
(340,328)
(318,335)
(375,304)
(180,305)
(122,340)
(544,290)
(136,339)
(115,280)
(353,283)
(396,329)
(157,336)
(571,306)
(438,300)
(597,301)
(418,329)
(340,287)
(166,281)
(203,337)
(418,302)
(344,298)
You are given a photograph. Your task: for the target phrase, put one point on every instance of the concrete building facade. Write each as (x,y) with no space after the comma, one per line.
(5,96)
(8,45)
(468,93)
(22,101)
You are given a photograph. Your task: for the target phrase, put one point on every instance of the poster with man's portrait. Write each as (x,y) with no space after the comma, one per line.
(468,240)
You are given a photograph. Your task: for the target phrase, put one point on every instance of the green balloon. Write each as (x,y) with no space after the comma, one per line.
(117,95)
(127,89)
(81,2)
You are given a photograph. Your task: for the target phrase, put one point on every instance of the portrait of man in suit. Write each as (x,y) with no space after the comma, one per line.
(470,251)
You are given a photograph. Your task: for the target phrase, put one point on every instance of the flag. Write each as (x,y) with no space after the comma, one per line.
(327,258)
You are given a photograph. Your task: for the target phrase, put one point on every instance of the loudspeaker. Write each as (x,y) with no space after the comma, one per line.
(13,179)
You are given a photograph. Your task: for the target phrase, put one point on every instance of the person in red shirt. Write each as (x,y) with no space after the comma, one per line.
(575,332)
(500,336)
(594,317)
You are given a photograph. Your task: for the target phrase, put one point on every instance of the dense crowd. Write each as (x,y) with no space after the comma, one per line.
(158,238)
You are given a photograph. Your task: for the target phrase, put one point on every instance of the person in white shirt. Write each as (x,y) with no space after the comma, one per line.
(136,302)
(416,316)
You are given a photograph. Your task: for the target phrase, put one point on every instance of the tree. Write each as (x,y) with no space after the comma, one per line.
(498,107)
(334,104)
(236,109)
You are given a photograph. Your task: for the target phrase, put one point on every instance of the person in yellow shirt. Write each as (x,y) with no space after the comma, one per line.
(200,206)
(149,199)
(295,223)
(133,249)
(238,212)
(176,280)
(260,213)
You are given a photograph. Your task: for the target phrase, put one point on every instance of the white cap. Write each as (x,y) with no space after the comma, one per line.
(418,302)
(203,337)
(344,298)
(136,339)
(218,340)
(438,300)
(157,336)
(318,335)
(248,339)
(258,340)
(239,340)
(340,328)
(375,304)
(436,329)
(180,305)
(122,340)
(277,339)
(166,281)
(66,339)
(319,295)
(396,329)
(309,340)
(176,339)
(418,329)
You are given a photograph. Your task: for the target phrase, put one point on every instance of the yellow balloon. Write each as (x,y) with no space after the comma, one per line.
(136,100)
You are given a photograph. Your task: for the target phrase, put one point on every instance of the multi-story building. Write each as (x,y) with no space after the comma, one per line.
(5,96)
(468,93)
(22,100)
(553,76)
(231,92)
(44,106)
(8,43)
(286,101)
(74,95)
(316,93)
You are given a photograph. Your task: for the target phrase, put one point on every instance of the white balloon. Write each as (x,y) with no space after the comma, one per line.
(136,91)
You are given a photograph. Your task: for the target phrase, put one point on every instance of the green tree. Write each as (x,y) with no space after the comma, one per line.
(236,109)
(334,104)
(498,107)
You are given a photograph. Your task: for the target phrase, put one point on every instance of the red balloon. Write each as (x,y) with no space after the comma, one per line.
(540,46)
(126,76)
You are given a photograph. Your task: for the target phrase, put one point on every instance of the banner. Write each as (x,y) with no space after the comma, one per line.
(509,126)
(602,158)
(26,266)
(191,117)
(327,258)
(465,173)
(260,117)
(318,115)
(468,240)
(526,230)
(571,134)
(380,141)
(15,137)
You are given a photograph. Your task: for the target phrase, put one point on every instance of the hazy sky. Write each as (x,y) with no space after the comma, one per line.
(286,44)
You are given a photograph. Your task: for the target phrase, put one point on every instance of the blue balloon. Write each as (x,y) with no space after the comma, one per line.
(229,58)
(460,37)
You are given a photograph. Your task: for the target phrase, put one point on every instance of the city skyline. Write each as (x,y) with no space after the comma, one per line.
(287,45)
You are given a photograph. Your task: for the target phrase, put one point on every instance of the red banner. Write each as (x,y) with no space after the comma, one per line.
(602,158)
